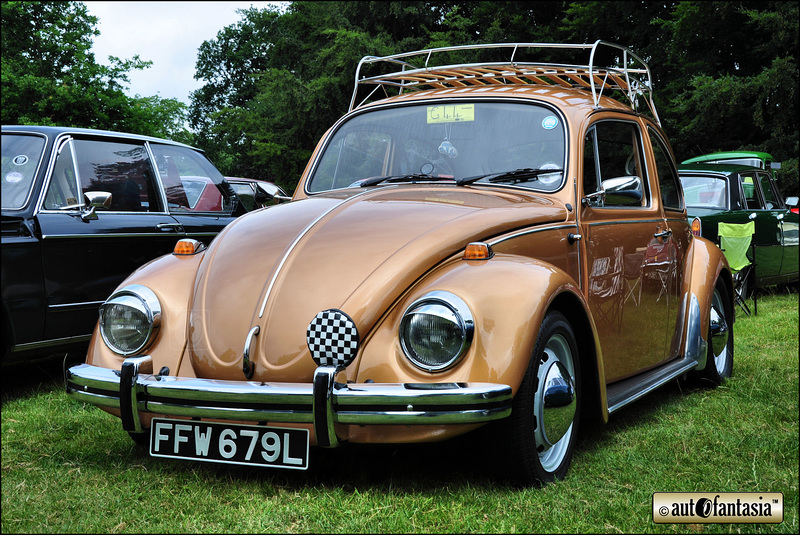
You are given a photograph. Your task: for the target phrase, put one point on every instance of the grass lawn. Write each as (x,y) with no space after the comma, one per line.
(68,468)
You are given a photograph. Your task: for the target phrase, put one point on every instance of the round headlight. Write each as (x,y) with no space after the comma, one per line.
(130,319)
(436,331)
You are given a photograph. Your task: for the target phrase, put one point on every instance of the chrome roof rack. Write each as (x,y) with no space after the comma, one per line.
(630,75)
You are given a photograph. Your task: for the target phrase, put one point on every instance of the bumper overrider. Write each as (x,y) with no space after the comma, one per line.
(324,402)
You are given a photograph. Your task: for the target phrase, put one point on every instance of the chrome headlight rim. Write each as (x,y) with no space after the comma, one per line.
(459,309)
(148,304)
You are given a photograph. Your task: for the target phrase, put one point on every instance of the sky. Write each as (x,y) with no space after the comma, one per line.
(166,33)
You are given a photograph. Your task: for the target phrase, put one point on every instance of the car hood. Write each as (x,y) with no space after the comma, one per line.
(356,251)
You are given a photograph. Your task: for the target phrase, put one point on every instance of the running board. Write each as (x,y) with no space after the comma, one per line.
(626,391)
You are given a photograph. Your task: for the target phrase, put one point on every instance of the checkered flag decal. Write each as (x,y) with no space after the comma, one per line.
(332,338)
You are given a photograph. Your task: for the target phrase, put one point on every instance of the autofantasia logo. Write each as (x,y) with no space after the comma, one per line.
(718,508)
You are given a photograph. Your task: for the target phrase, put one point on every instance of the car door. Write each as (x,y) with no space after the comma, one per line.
(787,226)
(677,238)
(768,235)
(85,255)
(627,252)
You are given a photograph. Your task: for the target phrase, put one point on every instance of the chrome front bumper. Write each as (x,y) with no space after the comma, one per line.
(322,403)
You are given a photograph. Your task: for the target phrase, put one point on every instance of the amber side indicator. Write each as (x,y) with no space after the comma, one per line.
(697,227)
(478,251)
(188,246)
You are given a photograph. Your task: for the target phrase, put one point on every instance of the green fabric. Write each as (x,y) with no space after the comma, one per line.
(735,240)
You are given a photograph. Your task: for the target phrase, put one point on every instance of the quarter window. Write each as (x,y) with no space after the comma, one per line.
(771,197)
(750,193)
(668,182)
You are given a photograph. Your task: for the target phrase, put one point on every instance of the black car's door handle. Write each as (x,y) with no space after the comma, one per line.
(170,227)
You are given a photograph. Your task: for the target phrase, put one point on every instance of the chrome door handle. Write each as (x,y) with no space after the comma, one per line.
(170,227)
(666,234)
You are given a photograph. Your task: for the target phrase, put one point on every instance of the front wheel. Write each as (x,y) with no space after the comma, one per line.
(546,410)
(719,362)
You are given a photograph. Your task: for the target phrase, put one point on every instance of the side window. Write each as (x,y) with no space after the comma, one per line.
(771,197)
(612,149)
(750,193)
(120,168)
(191,182)
(671,193)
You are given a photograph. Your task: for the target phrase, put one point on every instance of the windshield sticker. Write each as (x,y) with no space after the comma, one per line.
(451,113)
(14,177)
(549,122)
(20,160)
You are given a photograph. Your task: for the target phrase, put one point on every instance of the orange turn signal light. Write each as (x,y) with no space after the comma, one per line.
(697,227)
(188,246)
(478,251)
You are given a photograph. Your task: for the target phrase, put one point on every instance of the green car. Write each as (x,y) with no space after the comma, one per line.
(729,193)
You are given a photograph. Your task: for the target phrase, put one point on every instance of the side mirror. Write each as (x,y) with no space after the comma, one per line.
(92,201)
(791,202)
(267,190)
(618,191)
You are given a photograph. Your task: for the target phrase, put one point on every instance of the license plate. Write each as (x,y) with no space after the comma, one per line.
(214,442)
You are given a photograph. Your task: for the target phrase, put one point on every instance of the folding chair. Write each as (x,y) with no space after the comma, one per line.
(735,240)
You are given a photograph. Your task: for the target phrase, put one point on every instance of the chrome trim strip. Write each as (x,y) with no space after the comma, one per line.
(84,304)
(56,341)
(294,244)
(624,222)
(357,404)
(530,231)
(120,235)
(629,390)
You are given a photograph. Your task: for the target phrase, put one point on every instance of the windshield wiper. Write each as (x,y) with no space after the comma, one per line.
(515,177)
(400,178)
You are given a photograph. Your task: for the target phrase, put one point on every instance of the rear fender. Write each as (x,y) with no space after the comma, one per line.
(705,265)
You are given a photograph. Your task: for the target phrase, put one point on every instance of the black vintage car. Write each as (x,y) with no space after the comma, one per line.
(81,210)
(729,193)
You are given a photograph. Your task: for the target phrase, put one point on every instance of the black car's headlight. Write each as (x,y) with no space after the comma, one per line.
(130,319)
(436,331)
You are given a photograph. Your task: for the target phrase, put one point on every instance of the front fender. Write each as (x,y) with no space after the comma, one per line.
(705,265)
(172,278)
(508,297)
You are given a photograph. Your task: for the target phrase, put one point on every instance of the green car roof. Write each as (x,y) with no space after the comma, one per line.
(714,156)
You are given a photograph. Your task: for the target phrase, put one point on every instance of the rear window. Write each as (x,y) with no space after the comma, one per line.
(705,191)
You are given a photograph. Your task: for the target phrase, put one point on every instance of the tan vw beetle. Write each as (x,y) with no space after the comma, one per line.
(497,242)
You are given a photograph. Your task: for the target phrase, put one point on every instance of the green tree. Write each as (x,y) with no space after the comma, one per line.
(725,73)
(50,76)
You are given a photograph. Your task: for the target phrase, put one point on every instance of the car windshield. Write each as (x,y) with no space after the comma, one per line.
(483,141)
(21,155)
(705,191)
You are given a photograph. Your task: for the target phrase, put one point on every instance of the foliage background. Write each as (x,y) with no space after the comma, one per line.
(725,72)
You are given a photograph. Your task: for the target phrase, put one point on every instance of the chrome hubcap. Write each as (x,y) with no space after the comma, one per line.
(556,402)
